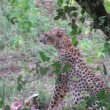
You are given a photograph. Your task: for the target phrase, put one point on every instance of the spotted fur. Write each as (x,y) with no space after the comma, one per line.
(84,80)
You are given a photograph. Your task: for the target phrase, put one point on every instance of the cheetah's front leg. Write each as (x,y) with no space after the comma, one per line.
(57,98)
(59,92)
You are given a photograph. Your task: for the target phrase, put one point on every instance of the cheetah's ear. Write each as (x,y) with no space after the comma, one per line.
(59,32)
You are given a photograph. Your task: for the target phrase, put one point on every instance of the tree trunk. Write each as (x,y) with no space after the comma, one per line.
(96,7)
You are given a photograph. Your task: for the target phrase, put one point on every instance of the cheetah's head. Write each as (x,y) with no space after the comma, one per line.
(56,37)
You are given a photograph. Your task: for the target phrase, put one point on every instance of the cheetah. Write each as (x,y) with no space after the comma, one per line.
(86,81)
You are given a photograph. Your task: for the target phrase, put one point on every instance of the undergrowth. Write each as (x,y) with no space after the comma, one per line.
(21,25)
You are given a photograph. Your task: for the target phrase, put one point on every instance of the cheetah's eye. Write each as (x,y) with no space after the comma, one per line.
(46,35)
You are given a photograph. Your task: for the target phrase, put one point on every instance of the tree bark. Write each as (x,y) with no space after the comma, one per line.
(97,7)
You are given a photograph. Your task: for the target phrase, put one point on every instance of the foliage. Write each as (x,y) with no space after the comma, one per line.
(102,97)
(24,13)
(101,100)
(86,47)
(69,10)
(21,23)
(44,96)
(107,5)
(2,98)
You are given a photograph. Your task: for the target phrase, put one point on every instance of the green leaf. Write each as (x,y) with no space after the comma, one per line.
(12,1)
(56,71)
(1,103)
(75,14)
(74,32)
(87,31)
(108,97)
(25,108)
(66,68)
(106,45)
(67,2)
(7,107)
(57,18)
(3,96)
(89,59)
(90,100)
(102,17)
(73,8)
(83,105)
(79,31)
(19,87)
(74,108)
(26,68)
(104,70)
(101,94)
(102,20)
(59,10)
(91,84)
(105,50)
(56,64)
(82,11)
(74,78)
(66,8)
(108,107)
(43,56)
(57,67)
(102,103)
(73,40)
(19,78)
(74,26)
(76,43)
(60,14)
(82,19)
(94,16)
(60,2)
(42,71)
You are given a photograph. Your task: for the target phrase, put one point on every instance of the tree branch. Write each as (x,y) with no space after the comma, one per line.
(97,7)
